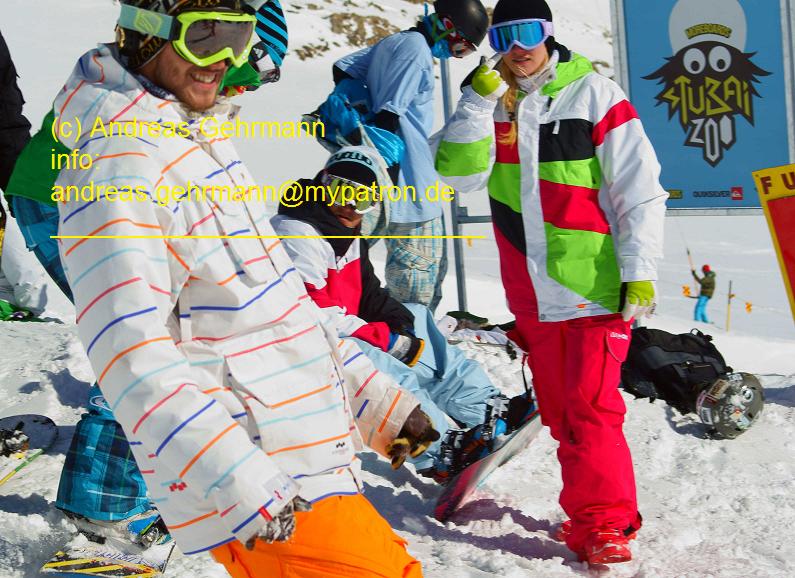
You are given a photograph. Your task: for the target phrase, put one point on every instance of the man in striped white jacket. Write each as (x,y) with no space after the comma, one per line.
(243,411)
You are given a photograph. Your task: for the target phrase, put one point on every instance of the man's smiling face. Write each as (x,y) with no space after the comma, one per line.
(195,86)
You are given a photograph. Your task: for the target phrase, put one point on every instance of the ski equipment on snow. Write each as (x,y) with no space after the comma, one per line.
(13,440)
(141,530)
(671,367)
(730,405)
(23,438)
(138,546)
(109,562)
(688,372)
(11,312)
(461,486)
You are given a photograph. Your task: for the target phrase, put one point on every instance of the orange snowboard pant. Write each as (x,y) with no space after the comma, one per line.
(343,536)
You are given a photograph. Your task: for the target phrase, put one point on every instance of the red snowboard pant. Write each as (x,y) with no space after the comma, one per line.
(576,366)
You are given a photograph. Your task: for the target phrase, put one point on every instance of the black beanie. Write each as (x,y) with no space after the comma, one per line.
(507,10)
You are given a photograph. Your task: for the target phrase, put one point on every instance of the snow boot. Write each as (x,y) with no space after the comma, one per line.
(564,530)
(606,546)
(143,530)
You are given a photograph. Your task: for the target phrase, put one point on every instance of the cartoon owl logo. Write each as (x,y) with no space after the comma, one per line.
(709,80)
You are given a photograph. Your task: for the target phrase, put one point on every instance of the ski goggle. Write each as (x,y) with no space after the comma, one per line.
(202,38)
(526,34)
(362,203)
(264,63)
(459,46)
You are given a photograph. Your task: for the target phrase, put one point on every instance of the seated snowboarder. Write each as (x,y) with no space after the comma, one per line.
(400,339)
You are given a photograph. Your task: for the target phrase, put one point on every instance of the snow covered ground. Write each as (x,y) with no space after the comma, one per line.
(711,508)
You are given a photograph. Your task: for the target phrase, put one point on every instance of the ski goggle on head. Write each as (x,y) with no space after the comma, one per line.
(525,34)
(202,37)
(346,192)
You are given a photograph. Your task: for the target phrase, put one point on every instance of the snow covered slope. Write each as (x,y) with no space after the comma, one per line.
(712,509)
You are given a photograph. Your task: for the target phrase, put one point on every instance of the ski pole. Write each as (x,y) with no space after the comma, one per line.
(729,307)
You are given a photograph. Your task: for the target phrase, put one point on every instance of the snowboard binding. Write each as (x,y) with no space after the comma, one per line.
(144,530)
(13,441)
(461,448)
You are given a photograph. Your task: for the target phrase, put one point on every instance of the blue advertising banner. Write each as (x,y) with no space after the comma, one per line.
(709,82)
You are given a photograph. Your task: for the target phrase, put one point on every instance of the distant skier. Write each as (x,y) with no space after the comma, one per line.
(707,283)
(399,75)
(578,215)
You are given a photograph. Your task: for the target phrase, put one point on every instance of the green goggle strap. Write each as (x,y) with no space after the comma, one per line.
(146,21)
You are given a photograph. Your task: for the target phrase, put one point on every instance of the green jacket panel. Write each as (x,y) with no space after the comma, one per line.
(34,175)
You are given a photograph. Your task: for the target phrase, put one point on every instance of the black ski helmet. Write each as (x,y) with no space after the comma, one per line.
(508,10)
(469,17)
(137,48)
(730,405)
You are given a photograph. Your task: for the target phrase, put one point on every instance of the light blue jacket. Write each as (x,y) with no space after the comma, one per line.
(398,72)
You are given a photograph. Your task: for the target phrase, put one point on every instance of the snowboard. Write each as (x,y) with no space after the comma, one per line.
(107,560)
(41,432)
(458,491)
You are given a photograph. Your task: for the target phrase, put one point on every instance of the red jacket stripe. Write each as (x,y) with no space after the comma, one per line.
(617,115)
(573,207)
(506,153)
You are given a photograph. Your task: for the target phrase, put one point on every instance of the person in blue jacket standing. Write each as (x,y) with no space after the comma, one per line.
(398,73)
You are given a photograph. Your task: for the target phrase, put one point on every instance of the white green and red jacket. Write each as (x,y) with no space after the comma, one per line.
(576,202)
(233,395)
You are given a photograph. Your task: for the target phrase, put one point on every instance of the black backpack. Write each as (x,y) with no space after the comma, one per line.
(671,367)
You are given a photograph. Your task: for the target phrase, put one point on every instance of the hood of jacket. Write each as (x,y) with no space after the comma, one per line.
(100,91)
(317,214)
(571,66)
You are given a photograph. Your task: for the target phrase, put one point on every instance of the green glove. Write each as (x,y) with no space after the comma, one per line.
(639,300)
(487,82)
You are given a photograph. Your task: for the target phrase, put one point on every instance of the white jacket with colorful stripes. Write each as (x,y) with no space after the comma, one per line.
(234,397)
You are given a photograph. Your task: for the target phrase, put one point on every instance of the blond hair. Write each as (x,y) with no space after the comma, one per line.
(508,101)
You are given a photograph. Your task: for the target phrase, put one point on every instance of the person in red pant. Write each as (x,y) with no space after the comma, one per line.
(578,211)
